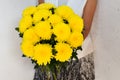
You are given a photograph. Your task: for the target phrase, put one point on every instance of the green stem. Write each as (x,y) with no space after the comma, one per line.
(54,76)
(48,74)
(58,69)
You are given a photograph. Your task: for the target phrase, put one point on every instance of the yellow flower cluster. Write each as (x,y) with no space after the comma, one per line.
(64,52)
(62,31)
(46,28)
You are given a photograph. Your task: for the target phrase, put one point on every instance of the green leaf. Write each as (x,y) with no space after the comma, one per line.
(42,19)
(74,55)
(33,24)
(32,15)
(52,40)
(36,66)
(17,29)
(34,61)
(23,55)
(65,21)
(44,41)
(52,10)
(54,51)
(79,48)
(21,34)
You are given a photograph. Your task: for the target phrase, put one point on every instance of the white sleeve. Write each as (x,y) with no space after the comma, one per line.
(55,2)
(36,2)
(77,6)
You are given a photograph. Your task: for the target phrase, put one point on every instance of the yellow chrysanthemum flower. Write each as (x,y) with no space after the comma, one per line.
(64,52)
(76,39)
(76,23)
(64,11)
(27,48)
(43,30)
(54,19)
(30,35)
(62,31)
(43,53)
(41,14)
(25,23)
(29,10)
(46,6)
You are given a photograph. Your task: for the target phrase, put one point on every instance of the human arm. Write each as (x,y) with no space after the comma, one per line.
(88,15)
(40,1)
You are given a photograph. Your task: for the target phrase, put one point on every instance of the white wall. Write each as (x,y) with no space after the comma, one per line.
(12,65)
(106,36)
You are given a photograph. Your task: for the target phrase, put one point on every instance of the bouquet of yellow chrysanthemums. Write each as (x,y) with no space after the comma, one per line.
(50,35)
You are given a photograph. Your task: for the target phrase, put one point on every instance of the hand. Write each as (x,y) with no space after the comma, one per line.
(86,31)
(40,1)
